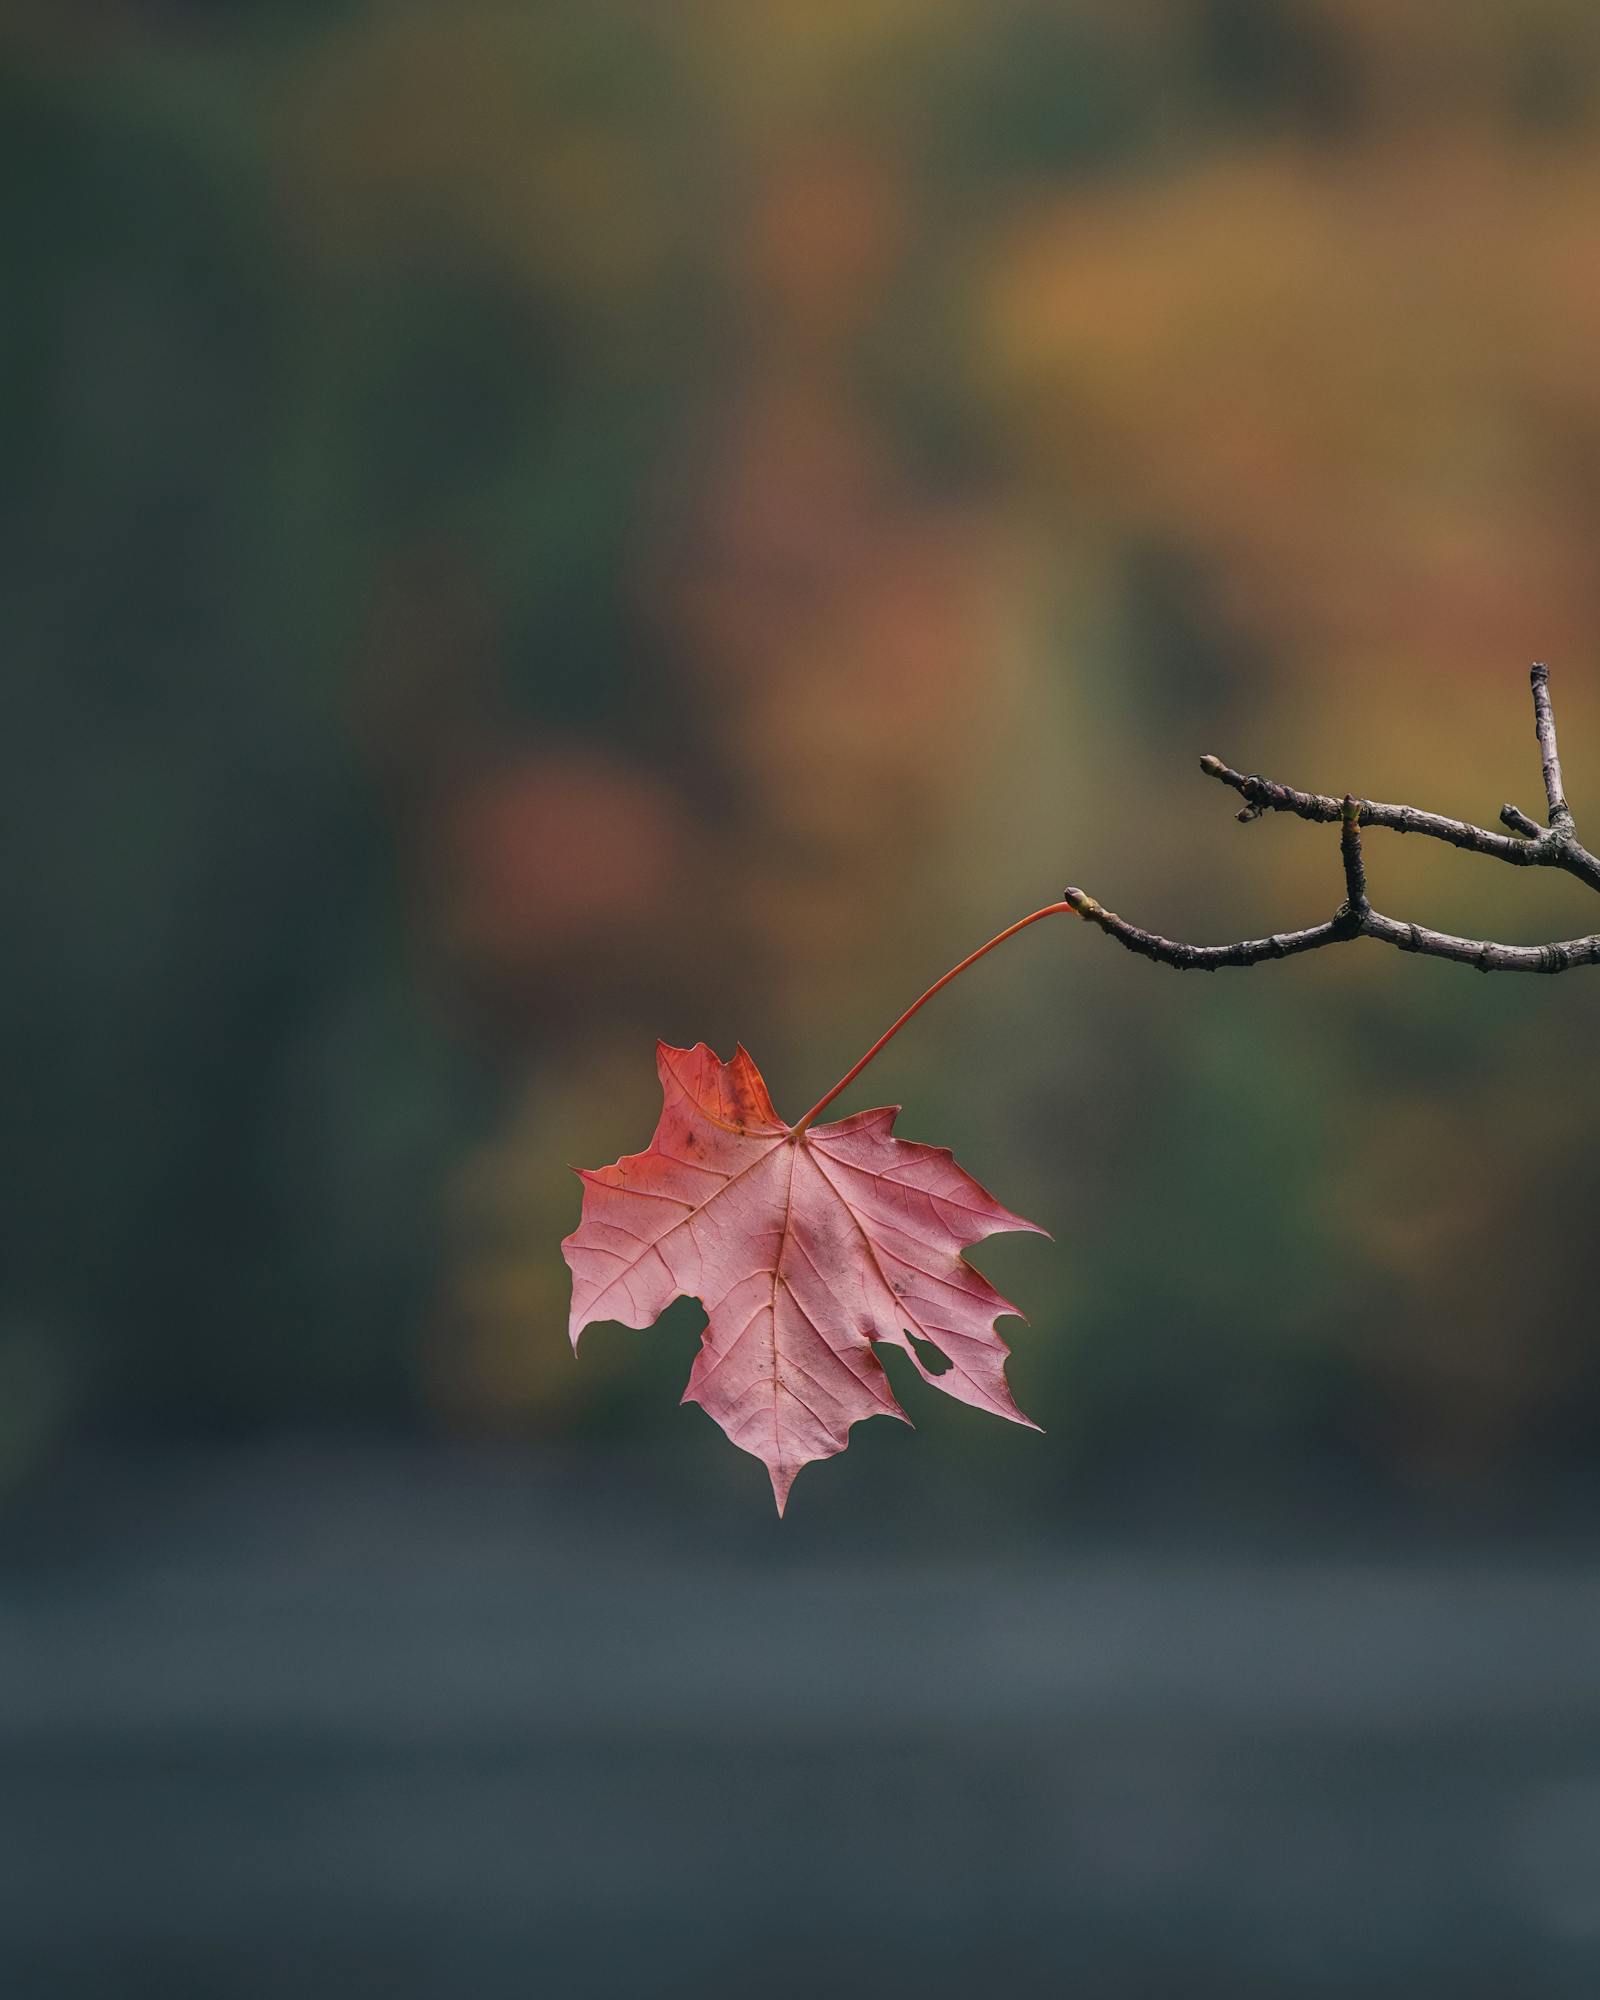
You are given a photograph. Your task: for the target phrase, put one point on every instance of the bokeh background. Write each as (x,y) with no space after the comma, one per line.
(531,527)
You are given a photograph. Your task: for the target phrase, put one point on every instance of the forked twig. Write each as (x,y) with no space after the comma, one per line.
(1526,845)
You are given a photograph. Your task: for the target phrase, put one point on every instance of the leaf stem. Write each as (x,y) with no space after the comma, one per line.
(888,1035)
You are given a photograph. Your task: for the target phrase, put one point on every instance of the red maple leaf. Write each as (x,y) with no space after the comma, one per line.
(805,1244)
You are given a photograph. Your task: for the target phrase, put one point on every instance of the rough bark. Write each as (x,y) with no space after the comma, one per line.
(1525,845)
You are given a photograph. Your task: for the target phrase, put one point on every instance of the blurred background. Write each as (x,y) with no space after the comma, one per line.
(529,527)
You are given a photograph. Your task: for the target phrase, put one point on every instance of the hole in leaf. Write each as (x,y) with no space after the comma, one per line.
(931,1357)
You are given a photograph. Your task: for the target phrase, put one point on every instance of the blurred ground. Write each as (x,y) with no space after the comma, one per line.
(367,1721)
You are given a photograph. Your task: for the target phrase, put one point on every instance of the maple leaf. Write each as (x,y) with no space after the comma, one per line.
(805,1244)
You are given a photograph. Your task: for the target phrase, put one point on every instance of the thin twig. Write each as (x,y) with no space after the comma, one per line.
(1480,952)
(1355,868)
(1544,724)
(1537,847)
(1207,957)
(1519,822)
(1528,845)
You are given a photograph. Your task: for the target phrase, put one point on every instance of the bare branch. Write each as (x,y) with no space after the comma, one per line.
(1544,724)
(1355,868)
(1480,952)
(1519,822)
(1527,845)
(1537,848)
(1487,957)
(1207,957)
